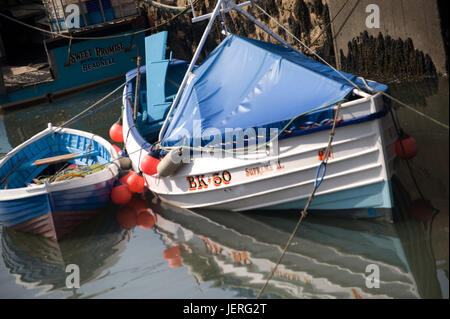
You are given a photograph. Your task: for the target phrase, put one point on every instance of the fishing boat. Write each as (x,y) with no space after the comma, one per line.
(78,45)
(54,181)
(248,129)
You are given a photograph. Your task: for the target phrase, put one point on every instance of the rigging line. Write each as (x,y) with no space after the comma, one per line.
(305,210)
(405,105)
(347,79)
(165,7)
(256,147)
(414,110)
(99,108)
(93,105)
(97,38)
(329,23)
(399,131)
(308,48)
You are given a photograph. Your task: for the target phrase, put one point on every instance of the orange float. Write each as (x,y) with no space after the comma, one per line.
(121,195)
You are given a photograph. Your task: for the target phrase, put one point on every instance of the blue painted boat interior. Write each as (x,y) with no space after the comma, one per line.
(53,144)
(156,92)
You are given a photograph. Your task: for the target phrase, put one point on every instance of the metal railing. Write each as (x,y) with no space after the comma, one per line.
(92,12)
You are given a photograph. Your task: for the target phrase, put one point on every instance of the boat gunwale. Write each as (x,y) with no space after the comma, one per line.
(130,127)
(110,171)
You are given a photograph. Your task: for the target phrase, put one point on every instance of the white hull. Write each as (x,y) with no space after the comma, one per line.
(361,162)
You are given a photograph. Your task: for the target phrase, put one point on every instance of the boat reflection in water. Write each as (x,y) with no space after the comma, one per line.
(327,259)
(228,255)
(36,261)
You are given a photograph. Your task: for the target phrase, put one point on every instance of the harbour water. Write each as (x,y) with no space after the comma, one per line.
(206,254)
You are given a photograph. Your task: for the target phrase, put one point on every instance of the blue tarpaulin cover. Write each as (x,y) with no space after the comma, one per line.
(248,83)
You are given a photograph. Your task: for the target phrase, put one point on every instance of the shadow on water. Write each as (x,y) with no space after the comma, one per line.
(208,254)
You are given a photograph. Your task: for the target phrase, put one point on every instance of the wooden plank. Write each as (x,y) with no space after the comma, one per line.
(55,159)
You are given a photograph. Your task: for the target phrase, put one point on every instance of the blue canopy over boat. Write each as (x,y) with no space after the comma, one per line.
(248,83)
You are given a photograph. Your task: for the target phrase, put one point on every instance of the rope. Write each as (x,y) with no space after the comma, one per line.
(308,48)
(98,38)
(98,109)
(304,212)
(76,117)
(329,23)
(347,79)
(405,105)
(243,149)
(400,133)
(165,7)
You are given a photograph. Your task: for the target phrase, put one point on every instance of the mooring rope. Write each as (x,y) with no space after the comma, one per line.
(165,7)
(255,148)
(317,182)
(329,23)
(404,105)
(76,117)
(347,79)
(307,47)
(71,37)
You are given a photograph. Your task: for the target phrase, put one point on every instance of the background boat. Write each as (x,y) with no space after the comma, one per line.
(59,66)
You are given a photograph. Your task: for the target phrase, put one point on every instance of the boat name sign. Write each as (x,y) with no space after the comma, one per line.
(266,168)
(95,56)
(199,182)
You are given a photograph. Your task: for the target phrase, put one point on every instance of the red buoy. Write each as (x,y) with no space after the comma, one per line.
(149,164)
(124,178)
(126,217)
(145,220)
(121,195)
(135,182)
(116,133)
(409,149)
(421,210)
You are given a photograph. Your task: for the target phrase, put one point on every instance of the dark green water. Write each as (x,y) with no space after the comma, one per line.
(229,255)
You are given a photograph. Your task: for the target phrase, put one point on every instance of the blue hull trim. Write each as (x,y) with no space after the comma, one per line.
(17,211)
(89,198)
(373,196)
